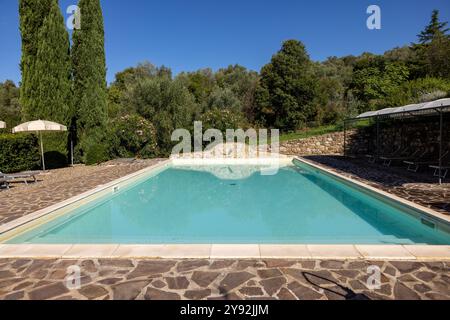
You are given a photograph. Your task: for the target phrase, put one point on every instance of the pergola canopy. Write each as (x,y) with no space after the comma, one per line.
(411,109)
(437,107)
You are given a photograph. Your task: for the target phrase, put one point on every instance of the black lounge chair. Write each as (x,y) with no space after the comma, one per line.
(387,161)
(373,157)
(415,165)
(4,182)
(24,176)
(442,171)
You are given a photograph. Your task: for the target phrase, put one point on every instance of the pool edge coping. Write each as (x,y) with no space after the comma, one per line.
(7,227)
(415,206)
(228,251)
(220,251)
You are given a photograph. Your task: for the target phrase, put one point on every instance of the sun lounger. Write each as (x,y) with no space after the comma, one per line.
(442,170)
(387,161)
(415,165)
(4,182)
(21,176)
(373,157)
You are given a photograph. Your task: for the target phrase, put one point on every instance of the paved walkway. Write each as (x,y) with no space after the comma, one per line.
(58,185)
(222,279)
(417,188)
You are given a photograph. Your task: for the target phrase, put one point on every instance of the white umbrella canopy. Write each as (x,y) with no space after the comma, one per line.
(2,125)
(39,126)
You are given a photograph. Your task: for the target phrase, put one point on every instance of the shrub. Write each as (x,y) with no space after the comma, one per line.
(420,90)
(223,119)
(19,153)
(55,160)
(96,153)
(132,136)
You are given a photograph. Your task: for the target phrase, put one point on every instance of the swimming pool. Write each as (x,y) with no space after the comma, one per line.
(236,204)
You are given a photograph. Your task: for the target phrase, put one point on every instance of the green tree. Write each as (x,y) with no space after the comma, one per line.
(51,75)
(433,50)
(374,79)
(9,104)
(167,103)
(434,29)
(287,89)
(224,98)
(242,83)
(200,83)
(51,71)
(32,14)
(89,76)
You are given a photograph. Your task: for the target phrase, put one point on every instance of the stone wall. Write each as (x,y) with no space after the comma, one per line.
(331,143)
(408,134)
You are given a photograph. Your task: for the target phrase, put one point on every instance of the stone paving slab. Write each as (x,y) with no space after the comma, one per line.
(396,181)
(129,279)
(62,184)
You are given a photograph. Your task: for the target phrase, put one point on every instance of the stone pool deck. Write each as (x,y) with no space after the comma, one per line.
(419,188)
(222,279)
(62,184)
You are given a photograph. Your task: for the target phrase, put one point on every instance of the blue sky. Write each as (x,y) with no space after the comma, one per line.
(192,34)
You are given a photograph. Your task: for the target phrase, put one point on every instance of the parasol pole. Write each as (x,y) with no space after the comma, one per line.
(42,150)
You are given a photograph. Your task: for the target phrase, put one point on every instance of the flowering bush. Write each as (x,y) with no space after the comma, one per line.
(132,136)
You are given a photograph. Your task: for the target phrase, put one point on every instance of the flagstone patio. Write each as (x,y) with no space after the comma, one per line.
(222,279)
(420,188)
(62,184)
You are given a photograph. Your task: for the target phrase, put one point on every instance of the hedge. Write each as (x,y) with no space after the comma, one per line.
(19,152)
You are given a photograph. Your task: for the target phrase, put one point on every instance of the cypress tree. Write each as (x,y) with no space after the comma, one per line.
(46,71)
(51,71)
(89,75)
(32,14)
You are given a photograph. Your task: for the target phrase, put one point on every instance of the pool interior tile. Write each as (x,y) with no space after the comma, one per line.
(428,252)
(269,251)
(397,252)
(333,251)
(91,251)
(235,251)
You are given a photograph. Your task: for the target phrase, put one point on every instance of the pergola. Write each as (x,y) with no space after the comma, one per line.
(433,108)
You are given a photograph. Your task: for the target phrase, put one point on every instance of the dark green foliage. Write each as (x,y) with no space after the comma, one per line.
(19,153)
(433,50)
(55,160)
(166,103)
(434,29)
(32,14)
(223,119)
(51,72)
(46,69)
(89,75)
(132,136)
(9,104)
(51,75)
(287,89)
(96,153)
(419,90)
(374,79)
(200,83)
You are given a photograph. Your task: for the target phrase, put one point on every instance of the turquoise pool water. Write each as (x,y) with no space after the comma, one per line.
(297,205)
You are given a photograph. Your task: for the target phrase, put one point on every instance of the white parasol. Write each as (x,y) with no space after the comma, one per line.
(39,126)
